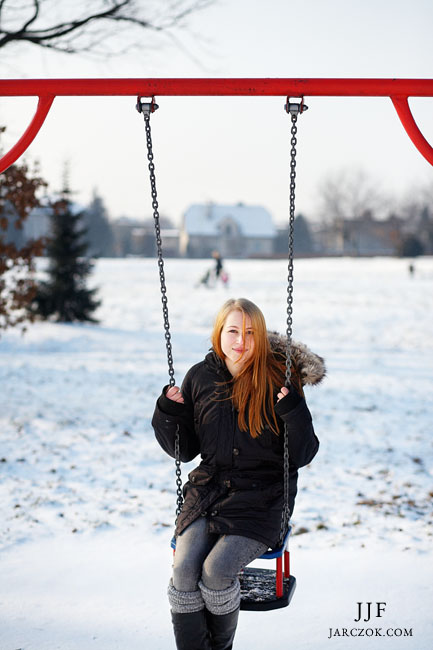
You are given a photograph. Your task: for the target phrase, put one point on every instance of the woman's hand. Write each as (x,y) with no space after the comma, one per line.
(174,394)
(283,392)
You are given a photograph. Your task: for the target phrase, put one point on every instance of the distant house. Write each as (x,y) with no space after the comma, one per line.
(234,230)
(361,236)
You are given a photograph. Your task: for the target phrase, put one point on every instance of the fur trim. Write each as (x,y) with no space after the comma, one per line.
(309,366)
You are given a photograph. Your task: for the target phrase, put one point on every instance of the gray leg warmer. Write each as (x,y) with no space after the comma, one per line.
(184,602)
(223,601)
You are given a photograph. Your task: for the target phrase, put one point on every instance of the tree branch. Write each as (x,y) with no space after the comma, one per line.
(65,36)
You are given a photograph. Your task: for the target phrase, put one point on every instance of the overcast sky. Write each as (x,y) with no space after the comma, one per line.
(225,149)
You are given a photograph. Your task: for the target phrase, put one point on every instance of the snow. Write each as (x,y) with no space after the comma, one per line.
(87,496)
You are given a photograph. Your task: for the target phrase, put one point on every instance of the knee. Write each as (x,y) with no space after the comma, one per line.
(184,602)
(221,601)
(185,575)
(214,574)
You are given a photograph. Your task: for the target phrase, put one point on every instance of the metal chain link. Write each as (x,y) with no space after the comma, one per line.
(148,108)
(179,493)
(289,319)
(293,109)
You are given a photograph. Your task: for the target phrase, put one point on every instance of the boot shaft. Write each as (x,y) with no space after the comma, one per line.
(191,631)
(222,629)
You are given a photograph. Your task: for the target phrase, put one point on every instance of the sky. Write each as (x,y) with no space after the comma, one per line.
(230,150)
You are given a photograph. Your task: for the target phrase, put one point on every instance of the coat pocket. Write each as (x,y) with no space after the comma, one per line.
(200,476)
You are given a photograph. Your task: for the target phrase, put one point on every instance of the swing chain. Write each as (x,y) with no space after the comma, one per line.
(147,108)
(179,500)
(289,319)
(293,109)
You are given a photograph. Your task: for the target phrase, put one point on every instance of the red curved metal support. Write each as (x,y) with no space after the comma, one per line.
(43,107)
(402,107)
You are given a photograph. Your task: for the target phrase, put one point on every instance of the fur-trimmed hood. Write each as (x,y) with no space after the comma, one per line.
(310,367)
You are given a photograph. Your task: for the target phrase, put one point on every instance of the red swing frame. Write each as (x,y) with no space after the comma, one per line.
(398,90)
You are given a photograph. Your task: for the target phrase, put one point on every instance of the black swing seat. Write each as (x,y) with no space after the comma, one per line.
(266,589)
(258,590)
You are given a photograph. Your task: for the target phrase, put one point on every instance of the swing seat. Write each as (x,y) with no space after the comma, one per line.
(266,589)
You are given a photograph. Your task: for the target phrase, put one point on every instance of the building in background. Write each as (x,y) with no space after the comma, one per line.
(363,236)
(240,231)
(234,230)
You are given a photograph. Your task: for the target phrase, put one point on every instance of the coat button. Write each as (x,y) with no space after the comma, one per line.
(235,452)
(192,479)
(214,513)
(227,484)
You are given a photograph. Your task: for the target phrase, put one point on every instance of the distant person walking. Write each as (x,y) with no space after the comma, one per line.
(218,263)
(211,277)
(220,273)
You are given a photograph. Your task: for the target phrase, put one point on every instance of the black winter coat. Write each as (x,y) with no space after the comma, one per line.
(239,482)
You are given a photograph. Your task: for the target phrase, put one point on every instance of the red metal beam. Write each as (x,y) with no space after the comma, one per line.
(223,87)
(47,89)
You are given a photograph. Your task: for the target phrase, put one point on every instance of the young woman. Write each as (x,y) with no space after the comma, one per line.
(231,409)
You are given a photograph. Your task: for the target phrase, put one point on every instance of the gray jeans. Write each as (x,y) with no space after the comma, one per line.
(214,559)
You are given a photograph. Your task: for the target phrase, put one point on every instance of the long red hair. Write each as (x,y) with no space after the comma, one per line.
(253,388)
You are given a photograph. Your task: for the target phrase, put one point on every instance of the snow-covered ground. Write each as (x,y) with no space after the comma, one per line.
(87,496)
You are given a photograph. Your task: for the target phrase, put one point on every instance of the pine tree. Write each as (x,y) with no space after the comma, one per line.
(303,241)
(99,232)
(64,296)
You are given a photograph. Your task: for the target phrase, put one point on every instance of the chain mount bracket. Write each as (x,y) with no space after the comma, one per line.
(146,107)
(296,107)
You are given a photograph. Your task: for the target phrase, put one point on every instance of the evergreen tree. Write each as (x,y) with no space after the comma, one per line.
(411,247)
(64,296)
(303,241)
(99,232)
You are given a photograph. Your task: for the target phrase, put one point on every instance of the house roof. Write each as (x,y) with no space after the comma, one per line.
(207,219)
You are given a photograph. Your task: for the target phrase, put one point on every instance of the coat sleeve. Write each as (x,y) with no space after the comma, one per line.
(169,415)
(303,442)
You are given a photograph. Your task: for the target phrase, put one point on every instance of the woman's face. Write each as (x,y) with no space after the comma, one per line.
(235,347)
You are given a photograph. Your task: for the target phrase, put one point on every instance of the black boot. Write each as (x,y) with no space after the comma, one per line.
(190,631)
(222,629)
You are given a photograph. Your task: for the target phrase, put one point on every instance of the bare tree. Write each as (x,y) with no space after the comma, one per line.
(349,194)
(98,26)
